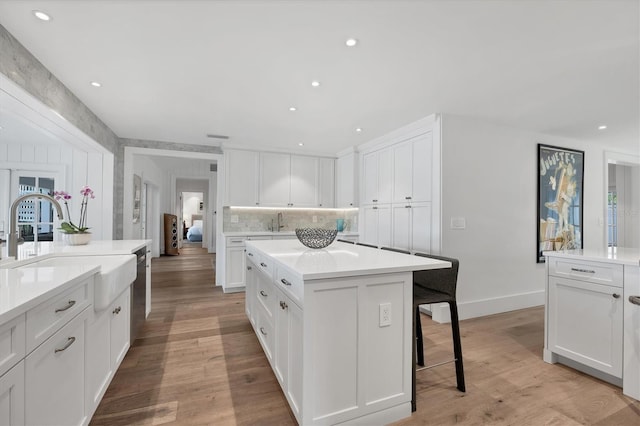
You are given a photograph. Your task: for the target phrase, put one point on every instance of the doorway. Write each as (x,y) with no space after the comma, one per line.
(192,212)
(623,206)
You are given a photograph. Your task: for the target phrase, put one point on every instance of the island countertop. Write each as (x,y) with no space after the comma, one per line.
(619,255)
(340,259)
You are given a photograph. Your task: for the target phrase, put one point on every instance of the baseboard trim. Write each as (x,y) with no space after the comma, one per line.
(480,308)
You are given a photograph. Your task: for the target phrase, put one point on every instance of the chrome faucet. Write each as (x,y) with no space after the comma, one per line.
(280,220)
(14,234)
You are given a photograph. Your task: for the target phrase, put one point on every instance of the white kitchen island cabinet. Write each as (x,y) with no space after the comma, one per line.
(337,357)
(590,320)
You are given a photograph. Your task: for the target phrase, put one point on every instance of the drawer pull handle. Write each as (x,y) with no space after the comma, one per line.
(69,304)
(635,300)
(248,268)
(375,201)
(616,295)
(262,331)
(407,207)
(264,265)
(263,294)
(283,305)
(117,310)
(285,282)
(407,198)
(250,254)
(236,241)
(586,271)
(70,341)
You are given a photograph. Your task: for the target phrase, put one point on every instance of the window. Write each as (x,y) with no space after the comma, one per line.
(612,219)
(35,217)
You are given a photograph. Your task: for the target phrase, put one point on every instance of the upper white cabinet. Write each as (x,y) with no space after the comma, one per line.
(241,171)
(346,180)
(278,180)
(377,176)
(275,179)
(326,182)
(412,169)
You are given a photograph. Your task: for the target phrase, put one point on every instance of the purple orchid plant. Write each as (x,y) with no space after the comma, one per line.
(69,227)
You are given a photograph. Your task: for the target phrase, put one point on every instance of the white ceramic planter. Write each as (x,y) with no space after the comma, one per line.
(79,239)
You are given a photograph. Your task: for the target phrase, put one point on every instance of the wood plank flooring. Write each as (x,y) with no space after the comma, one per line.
(198,362)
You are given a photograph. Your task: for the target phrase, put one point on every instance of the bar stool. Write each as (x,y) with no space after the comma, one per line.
(345,241)
(395,249)
(367,245)
(436,286)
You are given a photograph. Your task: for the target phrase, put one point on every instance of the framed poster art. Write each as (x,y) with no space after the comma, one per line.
(560,199)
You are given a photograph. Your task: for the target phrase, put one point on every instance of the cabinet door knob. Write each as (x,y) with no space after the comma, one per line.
(263,294)
(283,305)
(69,304)
(262,331)
(616,295)
(70,341)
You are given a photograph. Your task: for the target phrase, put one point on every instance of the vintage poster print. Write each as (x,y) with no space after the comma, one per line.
(560,193)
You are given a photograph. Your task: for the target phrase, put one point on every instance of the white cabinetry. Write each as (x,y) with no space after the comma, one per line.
(54,377)
(275,175)
(288,347)
(376,225)
(235,267)
(326,182)
(411,228)
(241,182)
(631,357)
(346,180)
(12,396)
(292,180)
(377,177)
(412,169)
(585,314)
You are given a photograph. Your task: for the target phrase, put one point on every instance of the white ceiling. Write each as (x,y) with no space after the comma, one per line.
(177,70)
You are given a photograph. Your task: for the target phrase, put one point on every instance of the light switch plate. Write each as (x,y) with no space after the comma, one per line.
(458,223)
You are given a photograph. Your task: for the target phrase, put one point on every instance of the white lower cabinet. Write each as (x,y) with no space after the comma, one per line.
(54,377)
(411,228)
(288,350)
(107,344)
(585,321)
(250,293)
(377,225)
(12,396)
(235,264)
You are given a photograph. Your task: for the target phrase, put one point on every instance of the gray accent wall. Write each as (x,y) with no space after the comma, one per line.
(20,66)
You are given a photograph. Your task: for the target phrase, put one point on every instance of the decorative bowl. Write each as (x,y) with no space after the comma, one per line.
(316,238)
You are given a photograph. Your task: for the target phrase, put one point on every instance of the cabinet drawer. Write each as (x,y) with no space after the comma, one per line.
(266,295)
(236,241)
(12,343)
(266,336)
(12,396)
(291,285)
(46,318)
(266,266)
(594,272)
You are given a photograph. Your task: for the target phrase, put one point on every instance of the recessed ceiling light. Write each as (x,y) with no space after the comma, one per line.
(41,15)
(358,130)
(315,83)
(300,144)
(292,108)
(96,84)
(602,127)
(351,42)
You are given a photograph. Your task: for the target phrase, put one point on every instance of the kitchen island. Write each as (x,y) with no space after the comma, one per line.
(336,327)
(592,314)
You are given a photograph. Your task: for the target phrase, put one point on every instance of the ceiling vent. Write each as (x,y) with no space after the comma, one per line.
(214,136)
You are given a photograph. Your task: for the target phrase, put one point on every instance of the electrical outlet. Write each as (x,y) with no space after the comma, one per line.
(314,219)
(385,314)
(234,218)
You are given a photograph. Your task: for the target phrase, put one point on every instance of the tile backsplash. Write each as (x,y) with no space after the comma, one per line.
(255,219)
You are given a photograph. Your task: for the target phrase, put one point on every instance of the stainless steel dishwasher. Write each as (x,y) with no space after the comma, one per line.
(139,294)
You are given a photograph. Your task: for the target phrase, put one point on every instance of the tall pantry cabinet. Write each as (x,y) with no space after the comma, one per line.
(399,205)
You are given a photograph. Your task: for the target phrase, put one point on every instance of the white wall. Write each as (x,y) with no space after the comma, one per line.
(489,177)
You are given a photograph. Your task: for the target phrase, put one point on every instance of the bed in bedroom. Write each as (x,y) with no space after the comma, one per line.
(194,234)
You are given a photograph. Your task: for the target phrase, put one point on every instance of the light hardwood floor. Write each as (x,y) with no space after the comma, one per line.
(198,362)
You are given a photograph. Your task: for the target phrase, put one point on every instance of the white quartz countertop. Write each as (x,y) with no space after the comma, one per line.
(24,288)
(340,259)
(621,255)
(30,252)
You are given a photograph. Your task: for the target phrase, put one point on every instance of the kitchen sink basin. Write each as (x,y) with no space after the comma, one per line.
(116,274)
